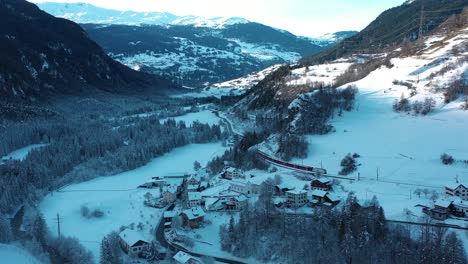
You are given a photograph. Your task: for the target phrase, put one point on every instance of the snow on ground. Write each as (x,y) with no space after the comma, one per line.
(232,87)
(205,116)
(22,153)
(267,53)
(399,147)
(325,73)
(15,255)
(118,197)
(206,238)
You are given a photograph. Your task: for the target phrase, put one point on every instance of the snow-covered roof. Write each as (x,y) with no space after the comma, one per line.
(454,186)
(319,193)
(192,187)
(442,203)
(194,213)
(131,237)
(333,197)
(170,214)
(458,202)
(296,192)
(240,182)
(204,184)
(241,198)
(284,186)
(323,180)
(230,169)
(193,196)
(182,257)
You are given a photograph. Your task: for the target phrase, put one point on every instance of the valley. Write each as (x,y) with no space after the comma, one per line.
(149,137)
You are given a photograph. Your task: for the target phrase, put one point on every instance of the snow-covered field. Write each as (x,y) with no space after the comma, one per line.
(10,254)
(205,116)
(232,87)
(118,197)
(402,149)
(21,153)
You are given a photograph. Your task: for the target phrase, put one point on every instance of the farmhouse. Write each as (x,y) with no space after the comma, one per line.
(193,217)
(460,207)
(296,198)
(241,186)
(323,184)
(133,243)
(457,189)
(231,173)
(318,196)
(441,210)
(235,203)
(192,181)
(194,199)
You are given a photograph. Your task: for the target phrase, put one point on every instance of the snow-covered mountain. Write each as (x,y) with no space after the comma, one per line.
(193,50)
(86,13)
(44,56)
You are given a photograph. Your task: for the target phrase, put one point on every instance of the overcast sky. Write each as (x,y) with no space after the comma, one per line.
(301,17)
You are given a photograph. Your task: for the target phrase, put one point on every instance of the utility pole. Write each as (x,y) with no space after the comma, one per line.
(421,21)
(58,219)
(377,173)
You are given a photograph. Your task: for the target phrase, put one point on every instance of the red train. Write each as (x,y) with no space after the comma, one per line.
(313,170)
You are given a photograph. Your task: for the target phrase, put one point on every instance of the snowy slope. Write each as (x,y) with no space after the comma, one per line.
(402,149)
(21,153)
(233,87)
(13,254)
(87,13)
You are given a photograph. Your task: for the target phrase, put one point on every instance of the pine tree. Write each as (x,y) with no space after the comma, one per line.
(106,252)
(6,234)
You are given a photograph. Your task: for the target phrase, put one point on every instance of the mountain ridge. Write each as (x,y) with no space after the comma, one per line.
(45,56)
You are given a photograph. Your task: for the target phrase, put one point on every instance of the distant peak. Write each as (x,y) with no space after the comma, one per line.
(88,13)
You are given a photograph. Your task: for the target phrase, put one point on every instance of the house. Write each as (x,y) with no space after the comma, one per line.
(231,173)
(133,243)
(296,198)
(331,200)
(441,210)
(458,190)
(235,203)
(192,181)
(460,207)
(193,217)
(184,258)
(194,199)
(318,197)
(282,188)
(169,194)
(241,186)
(214,204)
(323,184)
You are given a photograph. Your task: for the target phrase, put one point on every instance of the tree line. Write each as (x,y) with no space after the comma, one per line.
(79,151)
(350,234)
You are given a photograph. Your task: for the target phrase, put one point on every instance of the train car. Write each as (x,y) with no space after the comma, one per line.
(287,165)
